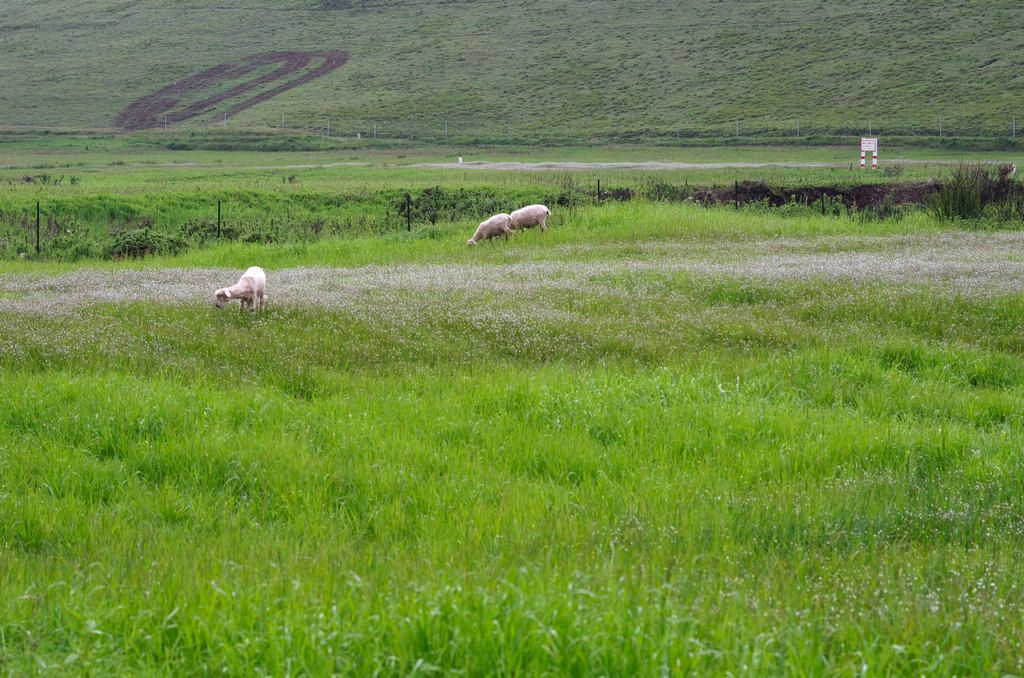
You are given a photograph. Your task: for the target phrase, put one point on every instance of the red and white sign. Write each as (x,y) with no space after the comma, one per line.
(869,144)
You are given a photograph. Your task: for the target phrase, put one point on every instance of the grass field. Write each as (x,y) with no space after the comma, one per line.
(523,70)
(658,440)
(87,196)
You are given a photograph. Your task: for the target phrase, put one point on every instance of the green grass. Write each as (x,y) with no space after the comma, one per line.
(103,196)
(573,454)
(487,70)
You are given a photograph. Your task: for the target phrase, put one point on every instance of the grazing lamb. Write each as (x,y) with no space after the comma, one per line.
(497,225)
(531,215)
(250,290)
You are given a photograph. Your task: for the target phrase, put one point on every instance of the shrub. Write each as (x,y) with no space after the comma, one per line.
(260,237)
(653,189)
(139,242)
(441,204)
(892,171)
(960,197)
(203,230)
(72,247)
(973,191)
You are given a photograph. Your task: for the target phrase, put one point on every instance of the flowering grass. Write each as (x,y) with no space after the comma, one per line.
(657,440)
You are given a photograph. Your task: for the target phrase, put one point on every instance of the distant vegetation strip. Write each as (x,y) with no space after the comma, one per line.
(71,227)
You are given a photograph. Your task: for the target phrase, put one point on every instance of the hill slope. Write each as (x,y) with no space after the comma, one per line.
(522,68)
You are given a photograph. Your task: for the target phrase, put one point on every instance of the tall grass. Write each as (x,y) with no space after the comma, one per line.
(656,440)
(974,190)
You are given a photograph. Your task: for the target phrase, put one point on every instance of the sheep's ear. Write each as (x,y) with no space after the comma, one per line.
(227,293)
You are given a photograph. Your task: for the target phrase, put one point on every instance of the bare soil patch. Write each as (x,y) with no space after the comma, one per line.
(152,110)
(855,197)
(859,197)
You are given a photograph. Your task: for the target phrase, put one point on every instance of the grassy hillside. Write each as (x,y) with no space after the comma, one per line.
(524,69)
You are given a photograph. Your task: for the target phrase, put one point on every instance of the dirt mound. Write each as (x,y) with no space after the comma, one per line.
(860,197)
(153,110)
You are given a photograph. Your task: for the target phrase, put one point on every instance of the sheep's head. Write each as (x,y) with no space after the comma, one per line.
(222,298)
(471,242)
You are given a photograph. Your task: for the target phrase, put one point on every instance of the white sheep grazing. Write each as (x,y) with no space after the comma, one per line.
(531,215)
(250,290)
(497,225)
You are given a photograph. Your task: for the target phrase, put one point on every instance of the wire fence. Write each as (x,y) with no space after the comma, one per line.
(441,129)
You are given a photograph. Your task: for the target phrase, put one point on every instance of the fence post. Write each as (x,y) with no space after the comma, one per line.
(37,228)
(408,212)
(218,220)
(598,191)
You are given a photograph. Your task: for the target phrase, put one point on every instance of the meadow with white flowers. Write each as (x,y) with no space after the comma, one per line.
(658,440)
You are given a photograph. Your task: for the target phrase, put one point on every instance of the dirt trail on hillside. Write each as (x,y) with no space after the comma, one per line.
(162,107)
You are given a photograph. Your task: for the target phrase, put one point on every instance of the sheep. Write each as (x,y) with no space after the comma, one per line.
(250,289)
(497,225)
(531,215)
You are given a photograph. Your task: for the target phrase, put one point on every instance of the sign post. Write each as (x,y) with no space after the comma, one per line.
(869,144)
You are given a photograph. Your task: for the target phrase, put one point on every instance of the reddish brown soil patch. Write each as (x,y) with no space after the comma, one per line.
(152,110)
(864,196)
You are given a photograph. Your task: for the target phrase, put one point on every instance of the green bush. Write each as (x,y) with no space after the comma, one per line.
(441,204)
(973,191)
(203,230)
(73,247)
(260,238)
(139,242)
